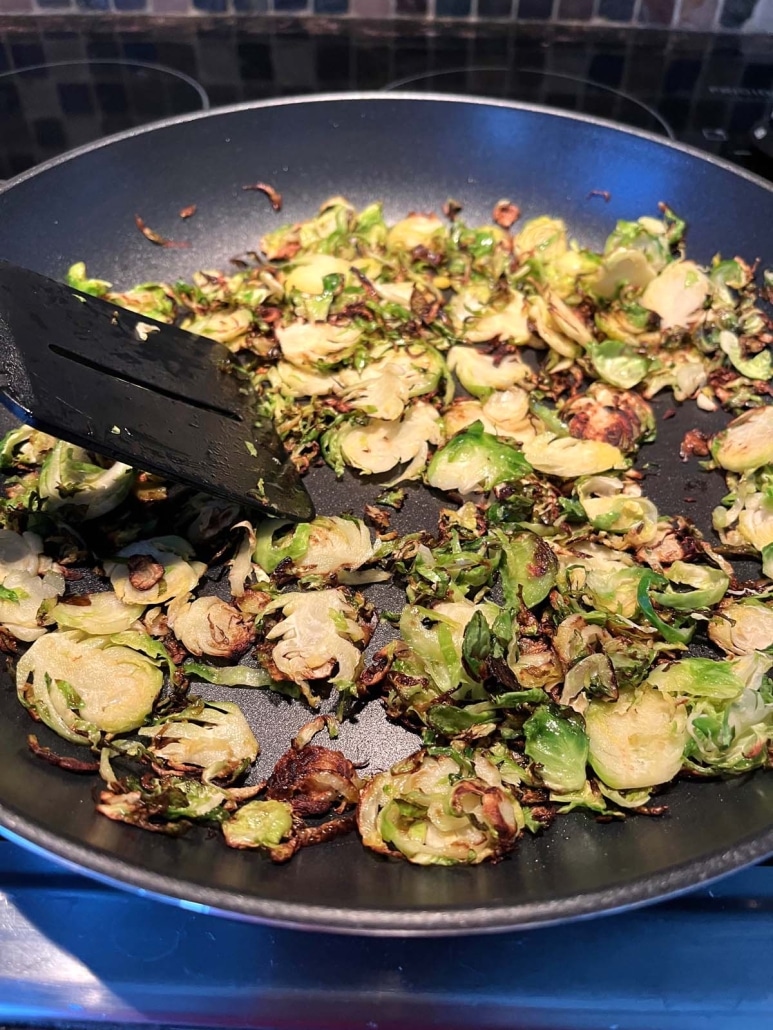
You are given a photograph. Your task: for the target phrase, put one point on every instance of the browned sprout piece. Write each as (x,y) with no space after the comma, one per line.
(618,417)
(314,780)
(144,571)
(274,196)
(156,237)
(210,626)
(506,213)
(168,804)
(440,811)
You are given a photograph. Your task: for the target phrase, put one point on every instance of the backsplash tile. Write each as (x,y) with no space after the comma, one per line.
(331,6)
(753,16)
(453,8)
(616,10)
(379,9)
(494,9)
(698,14)
(575,10)
(535,10)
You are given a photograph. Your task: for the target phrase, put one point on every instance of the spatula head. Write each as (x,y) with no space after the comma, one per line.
(142,392)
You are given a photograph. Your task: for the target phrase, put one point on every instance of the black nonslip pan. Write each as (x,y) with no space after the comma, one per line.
(412,152)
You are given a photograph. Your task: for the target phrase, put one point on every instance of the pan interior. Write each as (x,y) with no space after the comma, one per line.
(412,153)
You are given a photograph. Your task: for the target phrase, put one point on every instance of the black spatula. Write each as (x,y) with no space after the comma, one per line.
(142,392)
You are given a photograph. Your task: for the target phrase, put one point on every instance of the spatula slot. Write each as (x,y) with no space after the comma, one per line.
(124,377)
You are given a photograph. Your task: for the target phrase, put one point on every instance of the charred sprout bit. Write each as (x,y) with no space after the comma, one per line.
(542,652)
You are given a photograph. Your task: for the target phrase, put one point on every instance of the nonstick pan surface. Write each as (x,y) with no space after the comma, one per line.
(413,152)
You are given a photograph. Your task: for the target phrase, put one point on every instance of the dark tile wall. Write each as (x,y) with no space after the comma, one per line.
(754,16)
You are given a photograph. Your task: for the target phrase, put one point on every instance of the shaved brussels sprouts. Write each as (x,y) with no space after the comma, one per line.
(210,626)
(677,293)
(615,507)
(380,445)
(310,272)
(381,392)
(214,737)
(333,548)
(259,824)
(508,412)
(622,267)
(154,571)
(308,344)
(544,238)
(436,637)
(474,461)
(24,447)
(29,585)
(618,417)
(480,374)
(729,736)
(568,458)
(747,442)
(681,370)
(746,518)
(534,664)
(433,811)
(26,601)
(568,321)
(96,614)
(551,328)
(528,569)
(759,366)
(316,637)
(618,363)
(416,230)
(574,691)
(556,742)
(20,552)
(79,280)
(82,686)
(708,587)
(224,326)
(607,581)
(279,540)
(383,387)
(700,677)
(68,479)
(150,299)
(742,627)
(638,741)
(646,236)
(478,321)
(504,413)
(164,804)
(300,382)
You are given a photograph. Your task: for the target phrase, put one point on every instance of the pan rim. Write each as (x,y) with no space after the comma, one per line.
(377,922)
(115,872)
(397,95)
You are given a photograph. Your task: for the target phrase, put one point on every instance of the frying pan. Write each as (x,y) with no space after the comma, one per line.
(413,152)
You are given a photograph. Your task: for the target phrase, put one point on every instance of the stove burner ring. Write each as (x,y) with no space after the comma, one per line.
(501,68)
(87,62)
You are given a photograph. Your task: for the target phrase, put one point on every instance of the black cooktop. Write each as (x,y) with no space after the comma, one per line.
(74,952)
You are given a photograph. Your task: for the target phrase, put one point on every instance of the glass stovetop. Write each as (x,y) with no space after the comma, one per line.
(73,951)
